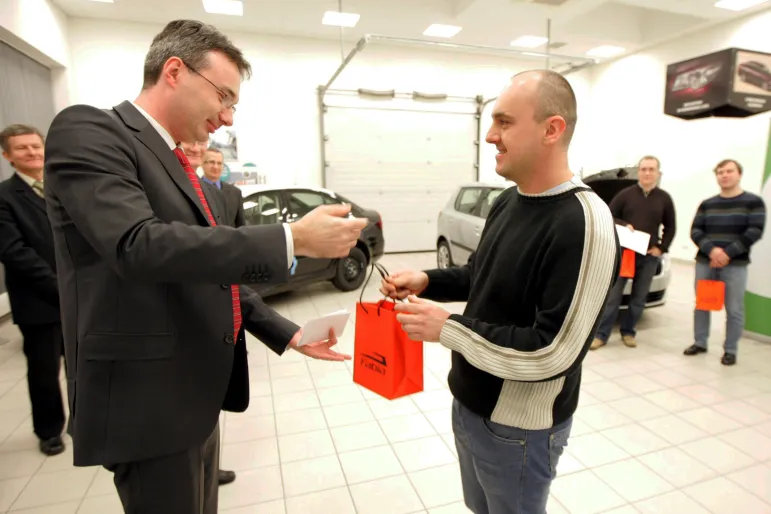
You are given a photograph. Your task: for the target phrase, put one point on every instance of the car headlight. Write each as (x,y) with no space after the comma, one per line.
(666,263)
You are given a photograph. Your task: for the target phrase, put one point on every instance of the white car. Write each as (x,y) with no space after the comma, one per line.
(461,222)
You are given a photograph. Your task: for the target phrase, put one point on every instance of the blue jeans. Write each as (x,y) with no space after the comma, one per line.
(735,278)
(506,470)
(644,271)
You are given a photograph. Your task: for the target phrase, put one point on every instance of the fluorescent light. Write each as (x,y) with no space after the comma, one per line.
(530,41)
(439,30)
(340,19)
(104,1)
(606,51)
(738,5)
(230,7)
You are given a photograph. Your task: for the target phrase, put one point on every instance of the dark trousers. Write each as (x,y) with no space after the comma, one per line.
(172,484)
(43,346)
(645,270)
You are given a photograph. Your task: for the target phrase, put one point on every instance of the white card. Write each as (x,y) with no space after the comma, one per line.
(636,241)
(318,329)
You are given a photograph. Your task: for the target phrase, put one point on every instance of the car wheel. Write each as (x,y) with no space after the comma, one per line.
(443,256)
(351,271)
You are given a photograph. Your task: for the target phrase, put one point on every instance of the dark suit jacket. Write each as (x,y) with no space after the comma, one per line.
(27,252)
(230,201)
(147,317)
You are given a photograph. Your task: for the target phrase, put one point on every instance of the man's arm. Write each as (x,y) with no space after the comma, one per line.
(617,208)
(240,221)
(91,173)
(577,274)
(21,259)
(698,231)
(669,222)
(449,285)
(264,323)
(755,224)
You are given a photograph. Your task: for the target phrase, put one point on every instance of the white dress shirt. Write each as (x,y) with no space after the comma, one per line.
(172,145)
(30,181)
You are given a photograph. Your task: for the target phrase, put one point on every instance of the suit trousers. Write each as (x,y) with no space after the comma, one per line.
(172,484)
(43,347)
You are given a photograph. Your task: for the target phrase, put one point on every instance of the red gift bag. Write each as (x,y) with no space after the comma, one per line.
(710,295)
(627,264)
(385,360)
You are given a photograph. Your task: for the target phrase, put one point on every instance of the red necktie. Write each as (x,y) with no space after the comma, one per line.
(234,292)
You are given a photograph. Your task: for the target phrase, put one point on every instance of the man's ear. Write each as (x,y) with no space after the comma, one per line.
(555,127)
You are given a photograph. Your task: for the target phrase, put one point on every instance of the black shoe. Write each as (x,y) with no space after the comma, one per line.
(52,446)
(225,477)
(694,350)
(729,359)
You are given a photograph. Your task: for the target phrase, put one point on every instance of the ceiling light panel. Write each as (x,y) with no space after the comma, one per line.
(340,19)
(439,30)
(530,41)
(738,5)
(229,7)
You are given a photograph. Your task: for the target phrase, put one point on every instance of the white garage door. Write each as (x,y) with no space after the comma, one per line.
(385,155)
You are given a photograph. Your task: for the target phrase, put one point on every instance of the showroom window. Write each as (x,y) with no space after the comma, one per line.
(262,209)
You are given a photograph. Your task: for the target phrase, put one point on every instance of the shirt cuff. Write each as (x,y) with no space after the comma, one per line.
(289,245)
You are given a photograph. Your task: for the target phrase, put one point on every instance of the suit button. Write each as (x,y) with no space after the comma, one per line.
(229,339)
(254,277)
(224,286)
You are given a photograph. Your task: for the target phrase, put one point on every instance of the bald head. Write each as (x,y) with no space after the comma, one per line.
(552,96)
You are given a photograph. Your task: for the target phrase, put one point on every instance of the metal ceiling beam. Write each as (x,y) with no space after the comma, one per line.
(571,61)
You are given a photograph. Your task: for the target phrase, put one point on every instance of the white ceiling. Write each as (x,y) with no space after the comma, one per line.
(580,24)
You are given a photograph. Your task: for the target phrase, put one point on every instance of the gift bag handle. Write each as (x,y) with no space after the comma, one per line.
(383,273)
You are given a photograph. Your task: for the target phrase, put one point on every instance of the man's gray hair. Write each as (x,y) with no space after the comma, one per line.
(191,41)
(17,129)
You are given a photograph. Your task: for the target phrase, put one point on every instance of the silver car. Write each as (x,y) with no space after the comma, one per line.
(461,222)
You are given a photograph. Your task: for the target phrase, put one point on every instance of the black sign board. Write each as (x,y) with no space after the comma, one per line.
(732,83)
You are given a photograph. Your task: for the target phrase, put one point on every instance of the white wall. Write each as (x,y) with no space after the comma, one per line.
(277,118)
(625,121)
(39,29)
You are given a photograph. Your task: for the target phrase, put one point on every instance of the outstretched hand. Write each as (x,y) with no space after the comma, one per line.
(321,350)
(423,321)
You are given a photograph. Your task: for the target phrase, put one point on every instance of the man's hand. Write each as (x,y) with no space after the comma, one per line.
(630,227)
(421,320)
(321,350)
(327,232)
(402,284)
(655,251)
(718,258)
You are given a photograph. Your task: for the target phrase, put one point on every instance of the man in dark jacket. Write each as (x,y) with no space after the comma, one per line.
(27,252)
(195,152)
(213,164)
(644,207)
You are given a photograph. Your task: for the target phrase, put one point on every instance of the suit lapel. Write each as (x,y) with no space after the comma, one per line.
(150,137)
(31,196)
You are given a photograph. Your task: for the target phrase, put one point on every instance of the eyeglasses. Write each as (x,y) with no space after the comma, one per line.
(226,104)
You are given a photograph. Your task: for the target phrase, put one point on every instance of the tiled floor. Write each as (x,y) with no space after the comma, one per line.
(656,432)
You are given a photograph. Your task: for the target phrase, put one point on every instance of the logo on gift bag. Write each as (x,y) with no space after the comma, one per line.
(379,364)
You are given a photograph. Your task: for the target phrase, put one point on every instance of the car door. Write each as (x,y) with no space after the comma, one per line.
(299,203)
(466,224)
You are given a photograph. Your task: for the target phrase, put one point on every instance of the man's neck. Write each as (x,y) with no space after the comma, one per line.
(33,174)
(731,193)
(647,189)
(546,177)
(154,108)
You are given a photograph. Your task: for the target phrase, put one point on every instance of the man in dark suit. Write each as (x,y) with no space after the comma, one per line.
(195,152)
(213,164)
(27,252)
(153,327)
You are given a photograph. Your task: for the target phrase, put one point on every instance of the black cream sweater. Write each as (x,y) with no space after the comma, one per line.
(536,288)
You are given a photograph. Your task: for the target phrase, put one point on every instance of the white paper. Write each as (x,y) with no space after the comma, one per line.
(634,240)
(318,329)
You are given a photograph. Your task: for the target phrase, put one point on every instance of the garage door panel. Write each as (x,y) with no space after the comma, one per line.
(404,164)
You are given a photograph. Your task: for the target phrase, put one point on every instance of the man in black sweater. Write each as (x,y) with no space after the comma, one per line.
(725,228)
(535,289)
(644,207)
